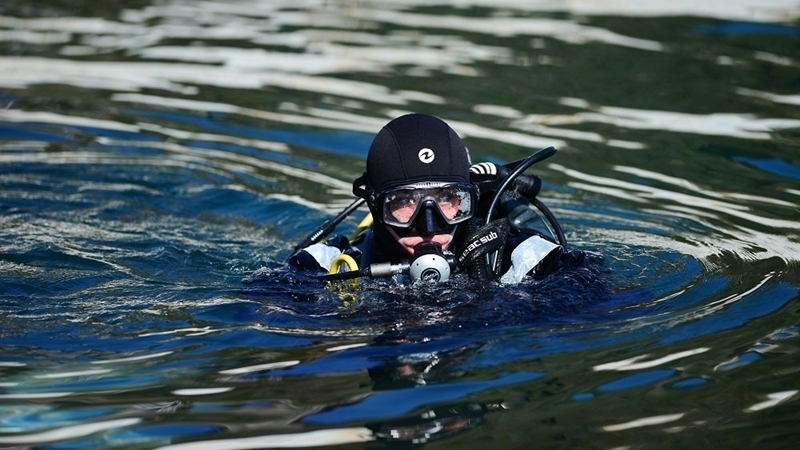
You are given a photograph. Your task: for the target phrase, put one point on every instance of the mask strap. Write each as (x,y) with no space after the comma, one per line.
(359,187)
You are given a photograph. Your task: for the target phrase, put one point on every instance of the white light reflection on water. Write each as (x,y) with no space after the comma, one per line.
(775,59)
(259,367)
(787,99)
(740,125)
(217,21)
(745,126)
(773,399)
(712,213)
(636,363)
(136,358)
(647,193)
(23,72)
(338,120)
(223,163)
(329,437)
(60,30)
(258,21)
(78,373)
(645,422)
(70,432)
(32,37)
(18,116)
(210,137)
(192,392)
(685,184)
(33,396)
(540,124)
(193,331)
(567,31)
(756,10)
(12,364)
(326,57)
(341,120)
(258,68)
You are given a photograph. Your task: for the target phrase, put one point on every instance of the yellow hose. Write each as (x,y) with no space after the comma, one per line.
(343,262)
(366,222)
(344,289)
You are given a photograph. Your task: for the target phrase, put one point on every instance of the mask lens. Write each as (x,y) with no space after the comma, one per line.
(449,203)
(401,206)
(454,202)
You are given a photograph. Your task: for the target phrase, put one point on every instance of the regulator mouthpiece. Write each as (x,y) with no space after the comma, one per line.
(429,264)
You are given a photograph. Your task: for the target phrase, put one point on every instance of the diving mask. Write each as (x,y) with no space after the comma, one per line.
(452,202)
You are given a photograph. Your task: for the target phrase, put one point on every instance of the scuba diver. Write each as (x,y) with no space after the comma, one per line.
(433,213)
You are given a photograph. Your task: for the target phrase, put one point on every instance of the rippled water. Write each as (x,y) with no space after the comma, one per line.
(159,160)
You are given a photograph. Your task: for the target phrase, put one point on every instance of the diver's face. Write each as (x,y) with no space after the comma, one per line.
(425,212)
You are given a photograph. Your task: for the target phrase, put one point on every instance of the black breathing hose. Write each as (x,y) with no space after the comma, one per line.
(493,259)
(327,227)
(522,167)
(562,239)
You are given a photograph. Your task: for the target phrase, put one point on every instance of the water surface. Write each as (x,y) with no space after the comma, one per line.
(160,159)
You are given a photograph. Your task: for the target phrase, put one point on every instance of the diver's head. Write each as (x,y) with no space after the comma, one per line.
(417,182)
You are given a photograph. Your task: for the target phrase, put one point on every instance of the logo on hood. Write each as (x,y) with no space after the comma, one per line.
(426,156)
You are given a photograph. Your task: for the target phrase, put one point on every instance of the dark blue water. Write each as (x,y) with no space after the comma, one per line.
(159,160)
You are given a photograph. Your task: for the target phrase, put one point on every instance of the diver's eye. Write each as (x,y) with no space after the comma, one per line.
(402,207)
(449,203)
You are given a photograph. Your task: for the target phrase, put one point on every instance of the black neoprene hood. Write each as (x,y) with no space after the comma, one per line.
(414,148)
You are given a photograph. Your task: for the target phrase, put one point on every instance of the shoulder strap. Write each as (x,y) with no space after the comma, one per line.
(479,243)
